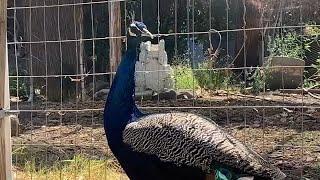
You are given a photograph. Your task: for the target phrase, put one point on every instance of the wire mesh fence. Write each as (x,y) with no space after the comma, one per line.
(249,65)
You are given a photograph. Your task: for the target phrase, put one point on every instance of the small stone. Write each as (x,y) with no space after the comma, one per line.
(102,94)
(185,95)
(256,124)
(167,95)
(144,95)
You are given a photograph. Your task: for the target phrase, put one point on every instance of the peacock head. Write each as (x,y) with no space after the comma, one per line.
(139,29)
(137,33)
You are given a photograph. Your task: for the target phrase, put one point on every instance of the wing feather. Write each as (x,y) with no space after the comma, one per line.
(189,139)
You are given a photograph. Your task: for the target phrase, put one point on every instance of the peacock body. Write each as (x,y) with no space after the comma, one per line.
(173,145)
(195,141)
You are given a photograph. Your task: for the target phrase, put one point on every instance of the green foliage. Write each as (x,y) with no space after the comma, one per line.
(293,45)
(204,77)
(17,86)
(317,65)
(309,84)
(289,45)
(212,79)
(184,77)
(259,80)
(314,80)
(312,31)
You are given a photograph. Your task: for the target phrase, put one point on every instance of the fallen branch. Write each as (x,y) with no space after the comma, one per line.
(251,96)
(312,95)
(312,87)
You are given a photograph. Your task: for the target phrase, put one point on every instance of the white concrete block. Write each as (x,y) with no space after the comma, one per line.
(154,60)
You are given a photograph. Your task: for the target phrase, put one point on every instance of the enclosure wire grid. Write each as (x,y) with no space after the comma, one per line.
(154,71)
(79,109)
(167,34)
(67,4)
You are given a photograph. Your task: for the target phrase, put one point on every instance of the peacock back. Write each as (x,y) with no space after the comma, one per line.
(196,141)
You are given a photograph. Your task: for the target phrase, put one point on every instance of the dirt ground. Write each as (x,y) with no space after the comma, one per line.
(281,127)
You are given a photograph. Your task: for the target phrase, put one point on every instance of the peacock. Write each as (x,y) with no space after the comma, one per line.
(177,146)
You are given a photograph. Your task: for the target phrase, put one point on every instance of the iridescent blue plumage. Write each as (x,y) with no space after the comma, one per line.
(140,25)
(120,110)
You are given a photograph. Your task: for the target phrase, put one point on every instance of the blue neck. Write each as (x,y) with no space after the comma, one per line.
(120,104)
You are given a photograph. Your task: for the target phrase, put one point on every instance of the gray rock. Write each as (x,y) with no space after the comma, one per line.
(166,95)
(101,94)
(281,75)
(144,95)
(99,85)
(185,95)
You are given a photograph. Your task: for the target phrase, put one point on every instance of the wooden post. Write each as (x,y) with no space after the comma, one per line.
(114,31)
(5,125)
(82,66)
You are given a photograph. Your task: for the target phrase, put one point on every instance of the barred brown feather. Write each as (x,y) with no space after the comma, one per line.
(196,141)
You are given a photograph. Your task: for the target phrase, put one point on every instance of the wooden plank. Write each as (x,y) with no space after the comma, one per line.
(5,127)
(114,31)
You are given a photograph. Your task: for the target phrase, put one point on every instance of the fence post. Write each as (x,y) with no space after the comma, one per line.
(5,125)
(114,31)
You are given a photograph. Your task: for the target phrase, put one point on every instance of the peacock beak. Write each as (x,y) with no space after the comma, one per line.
(146,32)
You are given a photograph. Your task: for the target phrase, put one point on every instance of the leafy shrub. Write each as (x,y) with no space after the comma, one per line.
(313,80)
(184,77)
(209,78)
(312,31)
(293,45)
(289,45)
(17,86)
(259,81)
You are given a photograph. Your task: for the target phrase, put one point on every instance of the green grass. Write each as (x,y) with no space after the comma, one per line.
(32,164)
(184,77)
(212,79)
(79,167)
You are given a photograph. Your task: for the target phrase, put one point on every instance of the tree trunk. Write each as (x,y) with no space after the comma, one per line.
(114,31)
